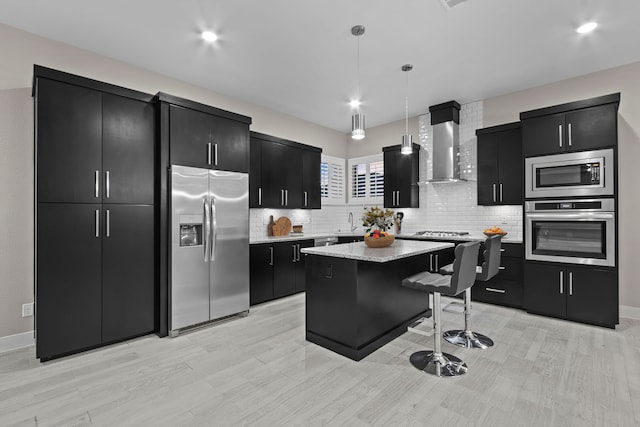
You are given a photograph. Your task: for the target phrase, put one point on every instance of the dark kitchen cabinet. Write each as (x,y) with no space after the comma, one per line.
(350,239)
(262,258)
(286,174)
(577,126)
(95,217)
(204,140)
(506,287)
(500,165)
(583,294)
(277,269)
(401,175)
(128,286)
(311,179)
(440,258)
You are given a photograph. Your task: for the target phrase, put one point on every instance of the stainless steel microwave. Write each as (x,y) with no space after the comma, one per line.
(585,173)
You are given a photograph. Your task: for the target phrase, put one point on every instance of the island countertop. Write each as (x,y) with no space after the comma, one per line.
(360,251)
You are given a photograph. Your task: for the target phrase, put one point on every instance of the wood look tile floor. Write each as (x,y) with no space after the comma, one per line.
(259,370)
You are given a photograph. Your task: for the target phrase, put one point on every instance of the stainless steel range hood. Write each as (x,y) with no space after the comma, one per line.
(445,151)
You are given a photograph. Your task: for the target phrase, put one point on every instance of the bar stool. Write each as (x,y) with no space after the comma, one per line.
(490,267)
(463,276)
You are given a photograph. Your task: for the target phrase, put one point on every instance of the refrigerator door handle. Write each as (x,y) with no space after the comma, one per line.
(207,227)
(214,227)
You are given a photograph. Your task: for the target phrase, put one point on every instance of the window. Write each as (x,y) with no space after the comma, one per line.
(366,179)
(332,180)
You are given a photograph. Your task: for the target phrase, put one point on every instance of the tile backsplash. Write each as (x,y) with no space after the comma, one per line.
(443,206)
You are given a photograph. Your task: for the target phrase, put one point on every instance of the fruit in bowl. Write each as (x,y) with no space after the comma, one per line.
(494,230)
(378,239)
(376,234)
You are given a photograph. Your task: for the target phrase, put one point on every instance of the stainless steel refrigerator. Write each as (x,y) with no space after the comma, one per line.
(209,246)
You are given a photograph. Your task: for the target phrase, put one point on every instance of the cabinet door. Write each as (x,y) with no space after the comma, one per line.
(69,143)
(390,178)
(262,259)
(255,181)
(230,141)
(190,135)
(406,171)
(300,265)
(543,135)
(127,150)
(284,274)
(273,174)
(593,127)
(310,179)
(545,288)
(68,283)
(592,295)
(128,294)
(510,169)
(488,179)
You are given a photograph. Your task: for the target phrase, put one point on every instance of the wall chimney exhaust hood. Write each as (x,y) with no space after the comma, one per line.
(445,153)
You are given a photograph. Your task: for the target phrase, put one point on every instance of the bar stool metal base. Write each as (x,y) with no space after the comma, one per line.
(445,365)
(468,339)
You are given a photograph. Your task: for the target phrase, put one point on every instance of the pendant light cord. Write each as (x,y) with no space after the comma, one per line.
(406,108)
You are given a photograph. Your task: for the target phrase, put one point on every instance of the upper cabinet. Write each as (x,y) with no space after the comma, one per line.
(93,146)
(206,137)
(284,174)
(576,126)
(401,174)
(500,165)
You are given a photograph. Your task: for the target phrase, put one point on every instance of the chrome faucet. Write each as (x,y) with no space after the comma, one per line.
(350,221)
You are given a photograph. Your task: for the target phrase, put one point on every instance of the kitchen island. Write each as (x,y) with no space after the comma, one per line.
(355,302)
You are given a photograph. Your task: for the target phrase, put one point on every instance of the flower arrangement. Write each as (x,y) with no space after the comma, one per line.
(377,218)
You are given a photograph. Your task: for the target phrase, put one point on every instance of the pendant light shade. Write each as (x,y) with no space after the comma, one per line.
(357,119)
(407,138)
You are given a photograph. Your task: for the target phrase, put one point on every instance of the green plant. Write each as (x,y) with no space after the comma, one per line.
(377,218)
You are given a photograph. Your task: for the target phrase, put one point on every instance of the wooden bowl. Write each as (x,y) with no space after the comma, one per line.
(380,242)
(493,234)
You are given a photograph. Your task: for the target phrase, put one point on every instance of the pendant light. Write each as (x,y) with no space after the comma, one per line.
(357,119)
(407,139)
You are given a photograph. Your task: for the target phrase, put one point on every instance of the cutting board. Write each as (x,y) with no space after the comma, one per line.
(282,226)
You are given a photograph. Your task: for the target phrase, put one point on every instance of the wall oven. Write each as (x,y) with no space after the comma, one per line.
(577,231)
(585,173)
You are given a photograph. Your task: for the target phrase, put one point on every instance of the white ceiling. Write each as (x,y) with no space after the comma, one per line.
(299,57)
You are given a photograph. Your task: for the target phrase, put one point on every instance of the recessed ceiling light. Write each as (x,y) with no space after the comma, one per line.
(354,103)
(209,36)
(587,28)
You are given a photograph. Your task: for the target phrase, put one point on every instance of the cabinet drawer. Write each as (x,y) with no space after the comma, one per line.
(498,291)
(510,269)
(514,250)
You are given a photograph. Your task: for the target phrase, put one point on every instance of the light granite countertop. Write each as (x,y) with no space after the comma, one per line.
(473,237)
(305,236)
(361,252)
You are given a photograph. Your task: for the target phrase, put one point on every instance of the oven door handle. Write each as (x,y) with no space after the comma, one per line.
(579,216)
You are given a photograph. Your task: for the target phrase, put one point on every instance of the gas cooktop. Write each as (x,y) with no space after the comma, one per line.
(431,233)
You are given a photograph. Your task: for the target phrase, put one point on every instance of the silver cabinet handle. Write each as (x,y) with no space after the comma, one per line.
(569,134)
(208,153)
(96,183)
(329,274)
(214,227)
(215,154)
(294,253)
(494,192)
(561,282)
(437,262)
(502,268)
(286,197)
(570,283)
(270,255)
(398,198)
(207,228)
(502,250)
(306,199)
(107,191)
(498,291)
(501,192)
(97,220)
(281,197)
(108,223)
(259,196)
(560,135)
(431,262)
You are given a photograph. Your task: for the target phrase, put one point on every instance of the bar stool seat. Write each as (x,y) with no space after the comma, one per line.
(436,362)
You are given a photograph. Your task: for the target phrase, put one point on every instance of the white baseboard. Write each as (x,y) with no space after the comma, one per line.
(13,342)
(629,312)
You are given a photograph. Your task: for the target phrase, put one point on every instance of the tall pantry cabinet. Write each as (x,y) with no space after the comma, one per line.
(95,151)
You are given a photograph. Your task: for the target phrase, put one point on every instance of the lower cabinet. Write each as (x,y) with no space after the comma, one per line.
(95,281)
(277,269)
(583,294)
(506,287)
(350,239)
